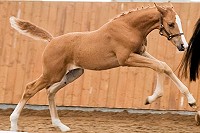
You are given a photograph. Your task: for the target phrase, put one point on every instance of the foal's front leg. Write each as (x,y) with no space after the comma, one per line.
(158,90)
(136,60)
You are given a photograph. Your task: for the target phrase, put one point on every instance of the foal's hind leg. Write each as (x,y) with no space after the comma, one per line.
(68,78)
(31,89)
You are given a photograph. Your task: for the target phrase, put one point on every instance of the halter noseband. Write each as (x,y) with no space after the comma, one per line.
(162,28)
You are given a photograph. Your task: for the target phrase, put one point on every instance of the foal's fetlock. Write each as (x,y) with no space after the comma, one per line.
(60,125)
(149,100)
(193,105)
(192,101)
(152,98)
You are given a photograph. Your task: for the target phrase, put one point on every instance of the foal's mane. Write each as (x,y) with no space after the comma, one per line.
(130,11)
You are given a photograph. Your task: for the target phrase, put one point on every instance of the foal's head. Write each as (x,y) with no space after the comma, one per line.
(170,27)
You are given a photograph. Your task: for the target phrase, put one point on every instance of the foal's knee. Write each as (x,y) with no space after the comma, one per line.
(165,68)
(168,70)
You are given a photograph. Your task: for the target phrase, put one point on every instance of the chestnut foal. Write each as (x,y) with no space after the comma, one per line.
(120,42)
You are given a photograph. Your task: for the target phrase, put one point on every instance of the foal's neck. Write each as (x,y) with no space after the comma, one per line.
(144,20)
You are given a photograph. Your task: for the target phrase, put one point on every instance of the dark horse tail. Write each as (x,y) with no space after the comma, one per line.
(191,59)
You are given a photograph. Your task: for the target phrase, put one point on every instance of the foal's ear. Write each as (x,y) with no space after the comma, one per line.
(170,4)
(162,10)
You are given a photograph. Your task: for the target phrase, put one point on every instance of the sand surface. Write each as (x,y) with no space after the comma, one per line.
(33,121)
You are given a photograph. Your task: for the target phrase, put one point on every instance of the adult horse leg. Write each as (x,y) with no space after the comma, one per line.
(197,118)
(52,90)
(31,89)
(137,60)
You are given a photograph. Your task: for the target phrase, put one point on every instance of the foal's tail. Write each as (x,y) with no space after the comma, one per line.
(29,29)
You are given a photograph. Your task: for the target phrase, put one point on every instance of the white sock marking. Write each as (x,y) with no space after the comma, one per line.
(59,124)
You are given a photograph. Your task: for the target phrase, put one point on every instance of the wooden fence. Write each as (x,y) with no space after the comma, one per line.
(20,57)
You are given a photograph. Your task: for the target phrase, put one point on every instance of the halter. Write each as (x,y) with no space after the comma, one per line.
(162,28)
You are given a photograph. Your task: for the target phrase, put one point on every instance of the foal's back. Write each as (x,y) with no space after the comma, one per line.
(101,49)
(89,50)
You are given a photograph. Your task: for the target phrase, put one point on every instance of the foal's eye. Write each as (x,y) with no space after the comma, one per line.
(171,25)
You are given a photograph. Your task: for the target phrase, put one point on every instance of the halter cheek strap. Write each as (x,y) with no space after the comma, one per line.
(162,28)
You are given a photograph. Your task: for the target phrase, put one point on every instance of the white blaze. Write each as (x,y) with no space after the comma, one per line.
(178,21)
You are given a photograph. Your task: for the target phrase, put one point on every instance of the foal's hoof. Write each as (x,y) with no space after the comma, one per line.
(147,101)
(193,105)
(197,119)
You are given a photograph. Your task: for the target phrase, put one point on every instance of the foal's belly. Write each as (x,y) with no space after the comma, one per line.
(101,65)
(95,59)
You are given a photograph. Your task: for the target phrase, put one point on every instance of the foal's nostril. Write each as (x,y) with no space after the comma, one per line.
(181,47)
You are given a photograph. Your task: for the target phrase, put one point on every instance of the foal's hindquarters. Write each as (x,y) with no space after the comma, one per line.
(58,71)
